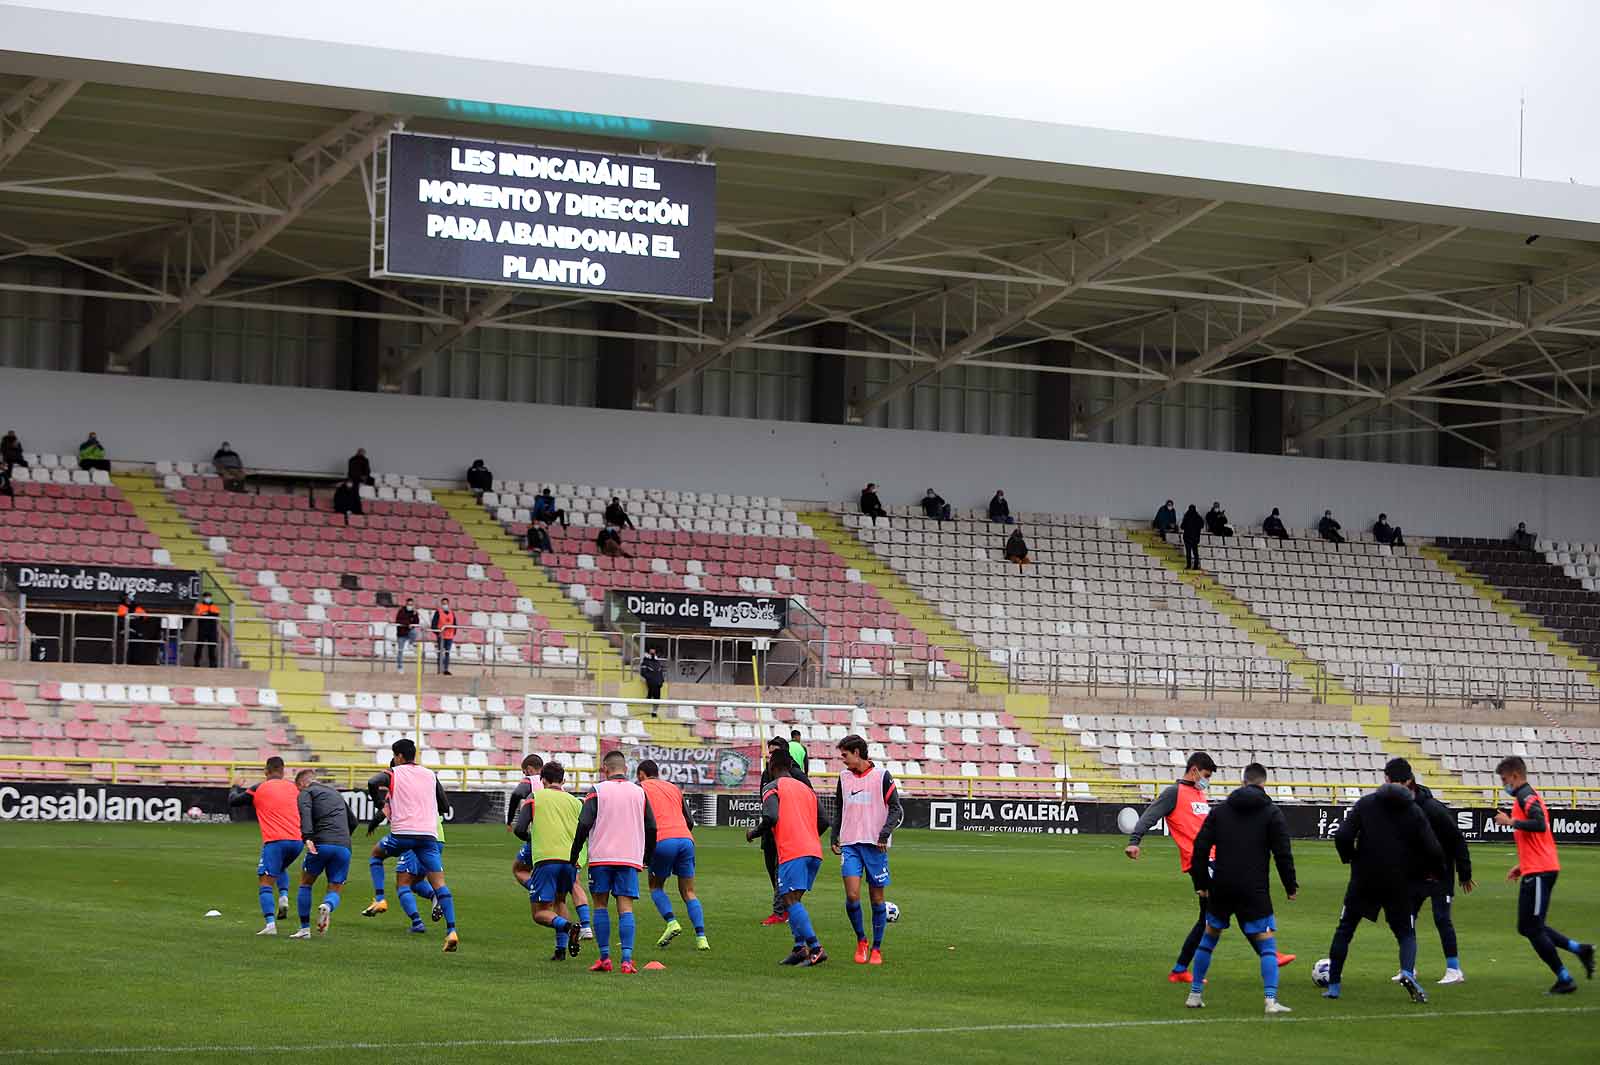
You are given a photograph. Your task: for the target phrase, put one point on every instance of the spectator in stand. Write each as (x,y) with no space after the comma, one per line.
(131,632)
(444,634)
(1217,521)
(609,541)
(11,453)
(1328,528)
(1192,526)
(92,455)
(406,620)
(999,509)
(5,481)
(545,509)
(615,515)
(1166,519)
(479,479)
(539,539)
(1385,533)
(653,672)
(206,614)
(1017,548)
(347,499)
(871,505)
(229,466)
(1523,538)
(934,506)
(359,469)
(1273,526)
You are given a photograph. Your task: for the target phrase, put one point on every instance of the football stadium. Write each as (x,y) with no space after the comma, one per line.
(499,558)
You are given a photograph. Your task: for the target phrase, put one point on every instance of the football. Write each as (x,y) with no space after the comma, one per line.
(892,912)
(1321,972)
(194,813)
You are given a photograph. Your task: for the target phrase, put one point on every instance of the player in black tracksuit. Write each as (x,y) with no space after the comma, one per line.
(1386,841)
(1440,889)
(1248,832)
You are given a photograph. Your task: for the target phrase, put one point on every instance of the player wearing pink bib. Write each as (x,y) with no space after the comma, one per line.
(416,804)
(617,824)
(869,812)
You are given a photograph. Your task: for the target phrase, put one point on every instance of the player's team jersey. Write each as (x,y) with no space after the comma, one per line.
(666,802)
(864,805)
(1184,822)
(796,833)
(618,834)
(1536,851)
(413,807)
(554,823)
(277,804)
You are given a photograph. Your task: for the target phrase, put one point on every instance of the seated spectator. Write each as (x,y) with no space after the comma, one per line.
(1166,519)
(934,506)
(1385,533)
(359,470)
(229,466)
(999,509)
(545,509)
(479,479)
(5,481)
(871,506)
(1328,528)
(615,515)
(1217,521)
(347,499)
(609,541)
(1273,526)
(11,449)
(1017,548)
(92,455)
(1523,538)
(539,539)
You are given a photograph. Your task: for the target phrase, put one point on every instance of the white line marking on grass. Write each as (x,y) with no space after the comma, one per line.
(714,1037)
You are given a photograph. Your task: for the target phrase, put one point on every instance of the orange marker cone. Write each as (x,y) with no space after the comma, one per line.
(653,965)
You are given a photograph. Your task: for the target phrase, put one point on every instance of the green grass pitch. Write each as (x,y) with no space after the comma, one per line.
(1009,948)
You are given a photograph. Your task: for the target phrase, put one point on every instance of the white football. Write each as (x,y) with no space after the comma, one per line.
(891,912)
(1322,972)
(194,813)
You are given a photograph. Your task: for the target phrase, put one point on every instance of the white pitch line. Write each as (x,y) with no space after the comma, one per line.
(714,1037)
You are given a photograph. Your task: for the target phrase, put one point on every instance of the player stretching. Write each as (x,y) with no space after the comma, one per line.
(1387,842)
(792,815)
(674,854)
(522,864)
(325,824)
(416,802)
(1437,885)
(277,805)
(1246,830)
(869,811)
(620,830)
(1537,867)
(547,821)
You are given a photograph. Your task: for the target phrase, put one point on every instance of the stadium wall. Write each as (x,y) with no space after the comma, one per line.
(148,419)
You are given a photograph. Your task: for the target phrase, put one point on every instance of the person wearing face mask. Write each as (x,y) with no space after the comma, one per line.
(406,620)
(444,634)
(205,630)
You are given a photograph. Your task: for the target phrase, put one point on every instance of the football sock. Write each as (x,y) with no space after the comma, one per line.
(880,919)
(269,909)
(625,929)
(408,902)
(663,904)
(1269,965)
(852,908)
(303,903)
(561,925)
(331,899)
(1408,955)
(602,932)
(1202,960)
(561,941)
(447,902)
(584,918)
(376,867)
(697,916)
(1452,963)
(800,923)
(423,888)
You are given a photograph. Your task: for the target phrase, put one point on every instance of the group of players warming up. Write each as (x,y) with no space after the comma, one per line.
(1403,848)
(619,829)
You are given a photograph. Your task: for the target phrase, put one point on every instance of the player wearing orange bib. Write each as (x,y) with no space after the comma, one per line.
(277,805)
(674,854)
(1537,867)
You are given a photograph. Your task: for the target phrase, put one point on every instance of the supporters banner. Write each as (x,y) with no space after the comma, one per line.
(698,767)
(155,588)
(714,613)
(511,214)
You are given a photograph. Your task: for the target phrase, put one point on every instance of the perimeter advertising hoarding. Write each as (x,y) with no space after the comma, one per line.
(156,803)
(59,583)
(673,611)
(488,212)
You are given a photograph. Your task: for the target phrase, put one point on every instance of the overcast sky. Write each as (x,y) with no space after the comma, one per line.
(1434,82)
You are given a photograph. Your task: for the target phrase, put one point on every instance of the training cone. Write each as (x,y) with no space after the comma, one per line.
(213,913)
(652,965)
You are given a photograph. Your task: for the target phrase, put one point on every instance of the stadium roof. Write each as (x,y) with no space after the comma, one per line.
(182,166)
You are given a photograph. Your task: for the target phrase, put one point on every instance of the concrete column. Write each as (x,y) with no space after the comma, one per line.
(1052,392)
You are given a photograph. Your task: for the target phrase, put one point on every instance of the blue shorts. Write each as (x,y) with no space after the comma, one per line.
(277,856)
(619,880)
(525,856)
(864,859)
(673,857)
(1269,923)
(798,874)
(334,861)
(408,862)
(424,851)
(551,881)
